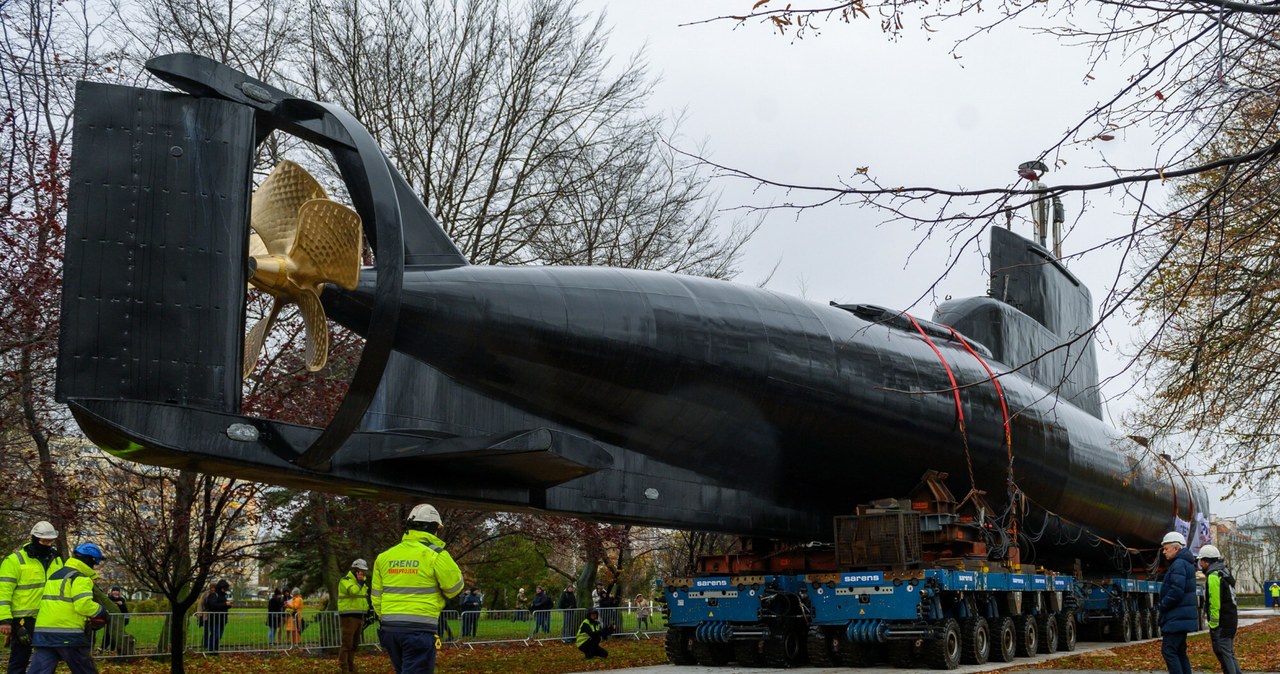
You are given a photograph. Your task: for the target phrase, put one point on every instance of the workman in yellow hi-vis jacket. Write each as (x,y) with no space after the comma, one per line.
(69,615)
(22,576)
(411,582)
(353,605)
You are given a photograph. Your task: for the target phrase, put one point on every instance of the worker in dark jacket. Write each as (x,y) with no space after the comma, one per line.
(1220,607)
(1179,614)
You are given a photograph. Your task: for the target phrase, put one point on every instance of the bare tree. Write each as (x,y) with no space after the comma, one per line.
(1197,268)
(517,131)
(175,531)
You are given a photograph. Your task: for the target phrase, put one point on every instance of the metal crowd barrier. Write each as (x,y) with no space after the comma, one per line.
(147,634)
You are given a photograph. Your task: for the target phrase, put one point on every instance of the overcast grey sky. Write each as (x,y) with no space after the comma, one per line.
(813,110)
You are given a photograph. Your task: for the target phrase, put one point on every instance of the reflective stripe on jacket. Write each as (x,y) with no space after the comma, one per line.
(68,601)
(411,582)
(351,596)
(22,580)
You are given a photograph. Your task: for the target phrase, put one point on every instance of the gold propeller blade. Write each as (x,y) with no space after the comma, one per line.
(327,246)
(273,214)
(317,329)
(258,336)
(300,240)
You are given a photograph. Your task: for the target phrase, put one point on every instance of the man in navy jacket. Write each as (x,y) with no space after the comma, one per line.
(1179,614)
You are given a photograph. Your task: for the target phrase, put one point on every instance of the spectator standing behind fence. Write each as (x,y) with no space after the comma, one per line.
(591,633)
(644,609)
(353,604)
(596,594)
(609,610)
(275,614)
(411,582)
(113,635)
(472,602)
(293,621)
(522,605)
(215,607)
(68,615)
(541,606)
(22,577)
(568,602)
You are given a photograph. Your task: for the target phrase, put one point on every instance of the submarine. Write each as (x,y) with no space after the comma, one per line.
(614,394)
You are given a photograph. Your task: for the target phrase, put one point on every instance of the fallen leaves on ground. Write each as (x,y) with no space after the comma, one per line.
(1256,650)
(550,658)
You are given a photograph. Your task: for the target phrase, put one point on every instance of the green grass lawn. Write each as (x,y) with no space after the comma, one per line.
(246,630)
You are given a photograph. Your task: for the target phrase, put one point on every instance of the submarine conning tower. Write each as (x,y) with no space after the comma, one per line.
(1037,316)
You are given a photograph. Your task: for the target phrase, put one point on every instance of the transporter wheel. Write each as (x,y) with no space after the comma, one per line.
(1047,631)
(786,649)
(944,652)
(1024,629)
(824,646)
(1004,640)
(1067,631)
(975,641)
(679,646)
(748,653)
(1122,628)
(1143,630)
(1155,622)
(711,655)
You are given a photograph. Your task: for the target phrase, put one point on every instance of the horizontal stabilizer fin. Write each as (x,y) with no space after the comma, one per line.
(536,457)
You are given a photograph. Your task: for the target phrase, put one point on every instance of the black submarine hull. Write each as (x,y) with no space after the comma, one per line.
(619,395)
(813,406)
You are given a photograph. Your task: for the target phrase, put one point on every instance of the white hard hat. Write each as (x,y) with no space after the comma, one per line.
(424,513)
(43,529)
(1209,552)
(360,564)
(1174,537)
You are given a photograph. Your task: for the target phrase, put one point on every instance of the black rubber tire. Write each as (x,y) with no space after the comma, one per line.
(785,650)
(902,654)
(1143,631)
(944,652)
(1122,628)
(1067,631)
(975,641)
(711,655)
(1047,632)
(1024,629)
(1155,623)
(1004,640)
(679,646)
(824,646)
(748,653)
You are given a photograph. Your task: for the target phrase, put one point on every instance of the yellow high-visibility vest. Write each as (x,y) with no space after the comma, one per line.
(22,580)
(412,580)
(352,599)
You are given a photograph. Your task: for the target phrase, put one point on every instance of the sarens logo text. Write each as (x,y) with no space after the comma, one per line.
(711,583)
(861,578)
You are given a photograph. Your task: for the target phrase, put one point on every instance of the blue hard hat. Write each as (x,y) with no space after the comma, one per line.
(89,550)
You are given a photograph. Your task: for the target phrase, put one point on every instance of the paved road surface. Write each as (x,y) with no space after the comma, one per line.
(1247,617)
